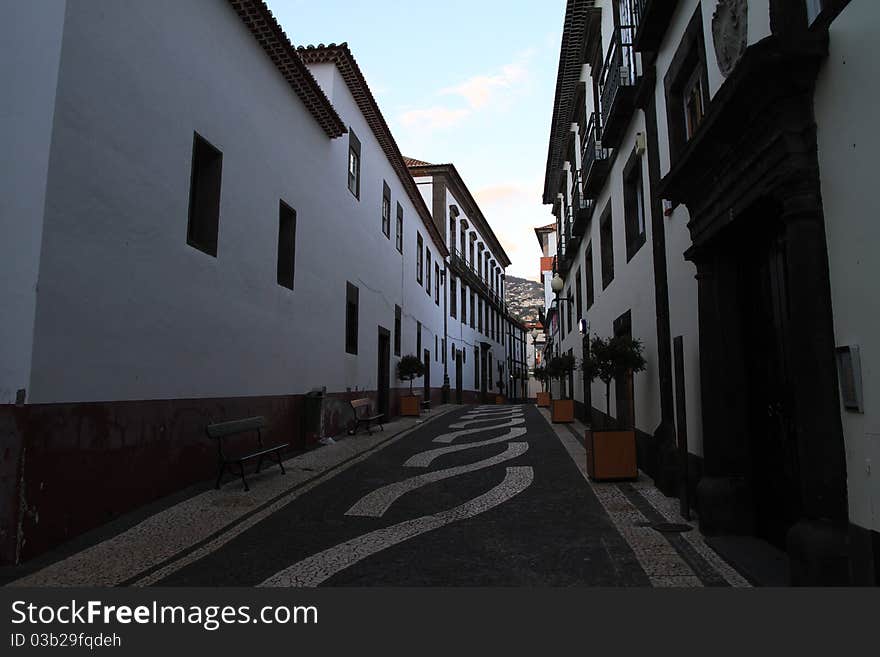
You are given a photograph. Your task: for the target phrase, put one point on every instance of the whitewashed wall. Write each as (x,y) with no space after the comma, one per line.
(847,96)
(30,50)
(127,310)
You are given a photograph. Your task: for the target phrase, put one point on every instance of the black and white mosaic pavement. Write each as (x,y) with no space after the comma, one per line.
(479,496)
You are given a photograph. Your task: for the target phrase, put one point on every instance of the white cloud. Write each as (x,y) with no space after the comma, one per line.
(433,118)
(480,91)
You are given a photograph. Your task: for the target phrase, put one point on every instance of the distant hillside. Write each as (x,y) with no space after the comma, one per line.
(525,299)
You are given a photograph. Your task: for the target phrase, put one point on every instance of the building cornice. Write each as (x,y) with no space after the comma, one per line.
(275,43)
(582,18)
(341,57)
(450,174)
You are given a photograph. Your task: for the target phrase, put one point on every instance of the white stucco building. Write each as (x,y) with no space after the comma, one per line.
(707,172)
(195,234)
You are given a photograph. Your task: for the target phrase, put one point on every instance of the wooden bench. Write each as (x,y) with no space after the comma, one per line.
(365,417)
(223,430)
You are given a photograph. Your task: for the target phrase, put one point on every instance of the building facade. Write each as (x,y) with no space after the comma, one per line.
(705,188)
(197,235)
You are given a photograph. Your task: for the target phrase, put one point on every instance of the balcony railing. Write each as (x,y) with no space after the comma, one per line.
(594,161)
(650,20)
(617,85)
(583,209)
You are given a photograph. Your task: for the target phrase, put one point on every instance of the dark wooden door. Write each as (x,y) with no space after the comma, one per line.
(624,393)
(383,373)
(773,458)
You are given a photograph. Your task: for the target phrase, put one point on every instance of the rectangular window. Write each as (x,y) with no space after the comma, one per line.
(351,318)
(397,336)
(453,297)
(568,310)
(400,228)
(463,243)
(436,284)
(204,197)
(286,244)
(633,207)
(606,238)
(579,292)
(418,337)
(486,311)
(452,233)
(420,256)
(686,86)
(473,308)
(476,368)
(588,260)
(386,210)
(472,261)
(480,314)
(428,271)
(463,303)
(354,164)
(436,350)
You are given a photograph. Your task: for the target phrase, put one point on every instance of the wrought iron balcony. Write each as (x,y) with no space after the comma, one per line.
(617,87)
(583,211)
(459,264)
(595,161)
(651,19)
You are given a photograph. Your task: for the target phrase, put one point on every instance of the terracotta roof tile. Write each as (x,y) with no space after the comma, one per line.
(268,33)
(412,162)
(341,56)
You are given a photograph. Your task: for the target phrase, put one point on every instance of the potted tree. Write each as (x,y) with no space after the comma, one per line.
(542,377)
(611,451)
(499,398)
(409,368)
(560,367)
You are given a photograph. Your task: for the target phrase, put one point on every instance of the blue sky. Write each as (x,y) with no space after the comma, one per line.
(465,82)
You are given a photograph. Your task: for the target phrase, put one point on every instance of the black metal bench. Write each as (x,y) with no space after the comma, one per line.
(223,430)
(425,404)
(364,417)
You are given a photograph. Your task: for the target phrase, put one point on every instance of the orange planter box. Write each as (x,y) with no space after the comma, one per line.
(410,406)
(562,410)
(544,400)
(611,455)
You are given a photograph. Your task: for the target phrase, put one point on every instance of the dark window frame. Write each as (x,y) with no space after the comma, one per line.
(428,271)
(436,283)
(420,258)
(634,207)
(352,318)
(418,337)
(354,164)
(205,190)
(398,321)
(579,294)
(286,265)
(453,297)
(386,210)
(589,276)
(688,66)
(606,245)
(399,234)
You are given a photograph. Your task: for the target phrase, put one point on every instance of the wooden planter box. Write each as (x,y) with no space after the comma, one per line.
(500,399)
(543,400)
(410,406)
(611,455)
(562,410)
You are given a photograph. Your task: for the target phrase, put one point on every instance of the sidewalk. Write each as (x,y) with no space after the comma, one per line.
(669,559)
(139,551)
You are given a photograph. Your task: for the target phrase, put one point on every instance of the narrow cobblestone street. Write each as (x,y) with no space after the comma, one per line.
(489,496)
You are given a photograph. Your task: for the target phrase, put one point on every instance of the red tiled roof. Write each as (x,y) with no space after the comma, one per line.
(345,62)
(412,162)
(546,229)
(268,33)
